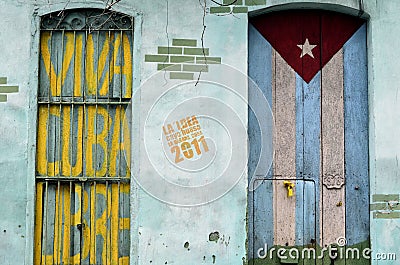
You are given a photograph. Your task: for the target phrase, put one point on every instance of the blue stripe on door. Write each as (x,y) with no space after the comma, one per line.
(308,131)
(299,161)
(261,226)
(356,137)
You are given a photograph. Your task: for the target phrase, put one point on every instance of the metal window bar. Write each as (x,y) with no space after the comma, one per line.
(73,197)
(107,154)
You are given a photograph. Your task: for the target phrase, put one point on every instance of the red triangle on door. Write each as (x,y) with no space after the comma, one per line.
(307,39)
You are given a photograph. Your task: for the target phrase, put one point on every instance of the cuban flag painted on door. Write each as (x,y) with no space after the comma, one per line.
(312,67)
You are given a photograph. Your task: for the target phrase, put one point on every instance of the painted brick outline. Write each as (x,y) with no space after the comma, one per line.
(183,59)
(5,89)
(385,206)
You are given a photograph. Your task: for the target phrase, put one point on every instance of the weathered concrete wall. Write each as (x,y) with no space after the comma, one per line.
(383,36)
(15,42)
(159,230)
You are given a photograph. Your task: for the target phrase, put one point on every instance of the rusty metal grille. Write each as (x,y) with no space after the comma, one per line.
(83,138)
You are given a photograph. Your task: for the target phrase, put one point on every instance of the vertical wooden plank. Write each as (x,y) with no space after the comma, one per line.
(91,141)
(92,215)
(48,140)
(67,66)
(108,222)
(111,63)
(66,169)
(50,228)
(126,141)
(356,142)
(101,211)
(116,144)
(117,59)
(78,64)
(102,217)
(56,222)
(60,61)
(86,221)
(308,144)
(311,212)
(42,135)
(38,223)
(91,66)
(57,225)
(66,192)
(76,219)
(114,223)
(44,73)
(112,145)
(333,199)
(124,225)
(102,134)
(284,98)
(312,158)
(119,153)
(102,47)
(261,225)
(77,141)
(127,68)
(299,162)
(356,137)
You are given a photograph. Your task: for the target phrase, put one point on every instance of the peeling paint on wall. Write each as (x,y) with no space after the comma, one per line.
(213,237)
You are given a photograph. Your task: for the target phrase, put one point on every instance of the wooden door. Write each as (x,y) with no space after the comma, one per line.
(311,65)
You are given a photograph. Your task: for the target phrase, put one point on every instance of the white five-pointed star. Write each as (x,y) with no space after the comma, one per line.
(306,48)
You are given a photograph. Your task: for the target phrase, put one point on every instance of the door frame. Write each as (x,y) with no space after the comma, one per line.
(353,12)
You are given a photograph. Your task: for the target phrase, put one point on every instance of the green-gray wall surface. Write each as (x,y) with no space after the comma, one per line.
(167,233)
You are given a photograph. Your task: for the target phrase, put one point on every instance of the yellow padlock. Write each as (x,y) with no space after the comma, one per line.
(289,186)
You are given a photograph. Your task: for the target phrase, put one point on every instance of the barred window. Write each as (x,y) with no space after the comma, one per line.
(83,138)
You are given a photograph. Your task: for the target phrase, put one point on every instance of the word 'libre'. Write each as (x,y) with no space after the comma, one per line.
(75,217)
